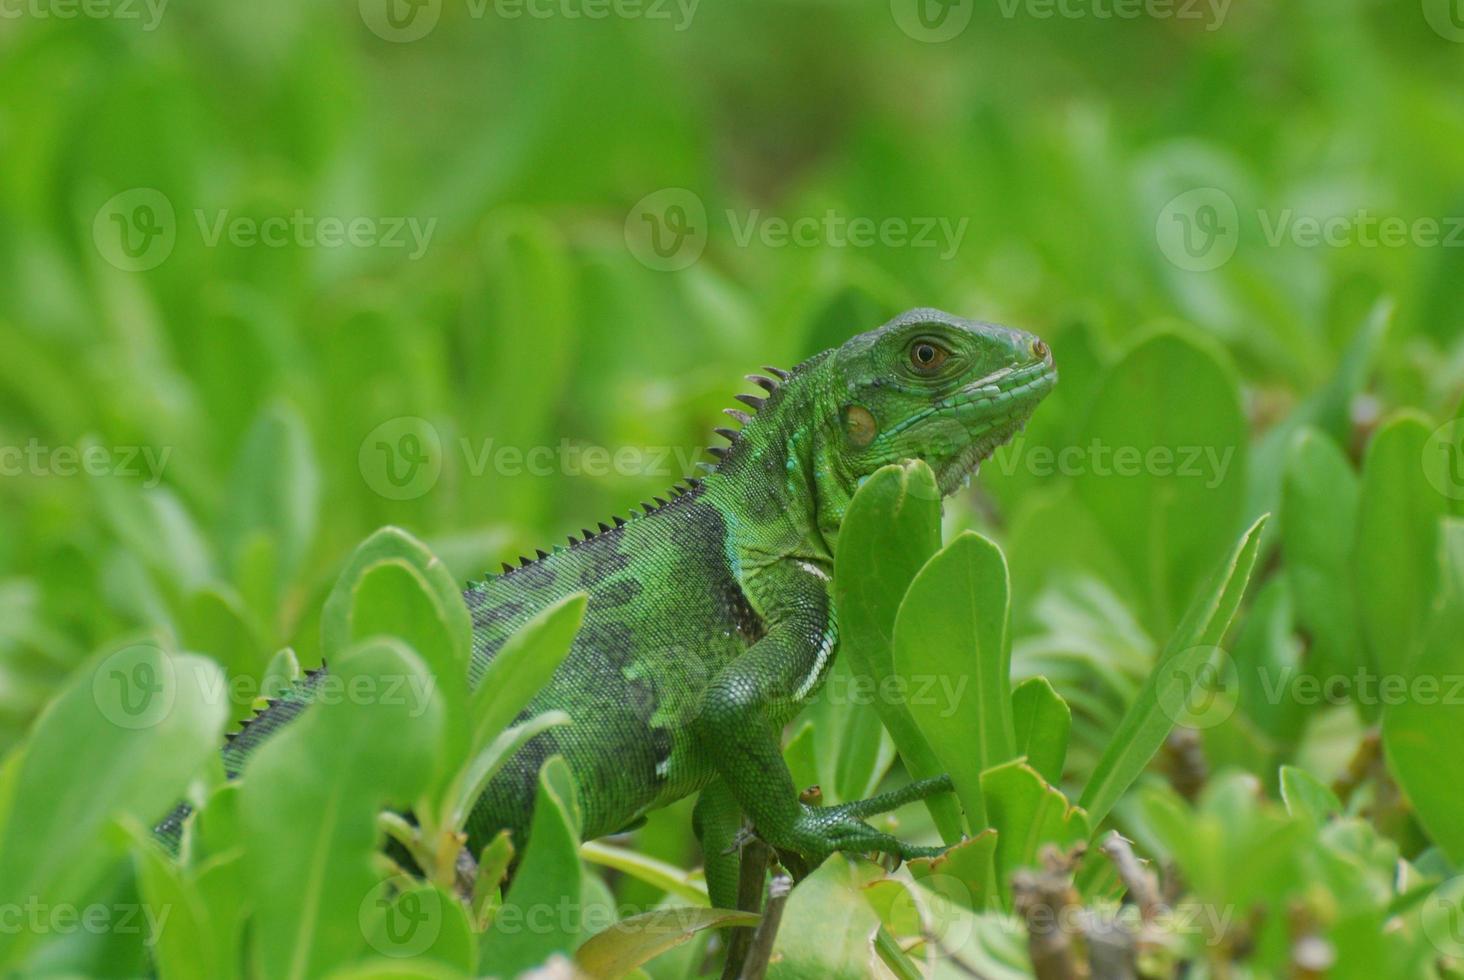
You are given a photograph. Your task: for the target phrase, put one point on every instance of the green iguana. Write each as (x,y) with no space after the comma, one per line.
(710,619)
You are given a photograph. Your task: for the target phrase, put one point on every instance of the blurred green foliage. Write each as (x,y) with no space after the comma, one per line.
(1242,233)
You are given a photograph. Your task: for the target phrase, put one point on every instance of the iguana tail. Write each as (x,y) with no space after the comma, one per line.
(240,745)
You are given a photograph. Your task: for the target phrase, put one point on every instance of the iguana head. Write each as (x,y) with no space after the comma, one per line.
(932,386)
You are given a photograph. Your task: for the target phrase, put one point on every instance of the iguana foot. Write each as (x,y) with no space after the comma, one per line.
(819,831)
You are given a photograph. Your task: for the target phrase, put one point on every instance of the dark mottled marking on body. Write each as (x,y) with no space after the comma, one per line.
(618,593)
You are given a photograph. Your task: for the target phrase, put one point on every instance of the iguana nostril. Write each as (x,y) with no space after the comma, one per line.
(1040,350)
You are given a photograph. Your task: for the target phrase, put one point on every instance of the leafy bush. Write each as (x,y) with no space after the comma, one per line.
(193,449)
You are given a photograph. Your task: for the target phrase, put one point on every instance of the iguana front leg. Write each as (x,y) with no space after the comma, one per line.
(741,720)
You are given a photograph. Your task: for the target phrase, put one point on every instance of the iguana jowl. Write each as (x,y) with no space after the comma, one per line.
(710,619)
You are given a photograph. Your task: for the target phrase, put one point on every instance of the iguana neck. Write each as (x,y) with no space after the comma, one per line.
(778,483)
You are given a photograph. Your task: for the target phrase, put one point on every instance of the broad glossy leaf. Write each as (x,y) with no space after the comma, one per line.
(620,949)
(890,531)
(1149,719)
(951,652)
(664,877)
(479,772)
(1027,813)
(1319,497)
(965,873)
(1397,543)
(1306,795)
(275,489)
(307,793)
(387,544)
(1165,443)
(405,918)
(1041,720)
(214,621)
(528,927)
(827,925)
(144,721)
(522,666)
(1423,730)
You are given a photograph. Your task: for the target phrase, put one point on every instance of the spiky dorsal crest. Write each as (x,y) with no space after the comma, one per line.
(681,491)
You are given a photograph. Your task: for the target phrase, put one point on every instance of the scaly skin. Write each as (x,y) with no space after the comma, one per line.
(710,620)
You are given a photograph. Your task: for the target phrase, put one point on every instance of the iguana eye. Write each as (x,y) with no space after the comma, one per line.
(927,357)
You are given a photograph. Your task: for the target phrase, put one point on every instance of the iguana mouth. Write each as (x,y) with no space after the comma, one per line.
(992,409)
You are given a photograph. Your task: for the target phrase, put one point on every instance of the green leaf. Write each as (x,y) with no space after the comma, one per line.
(387,544)
(1042,720)
(1397,543)
(405,918)
(522,666)
(890,531)
(196,936)
(1306,795)
(308,806)
(391,598)
(662,876)
(143,722)
(1423,729)
(215,621)
(616,951)
(275,490)
(964,873)
(1319,498)
(1027,813)
(1149,719)
(952,629)
(827,925)
(528,928)
(485,765)
(1164,473)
